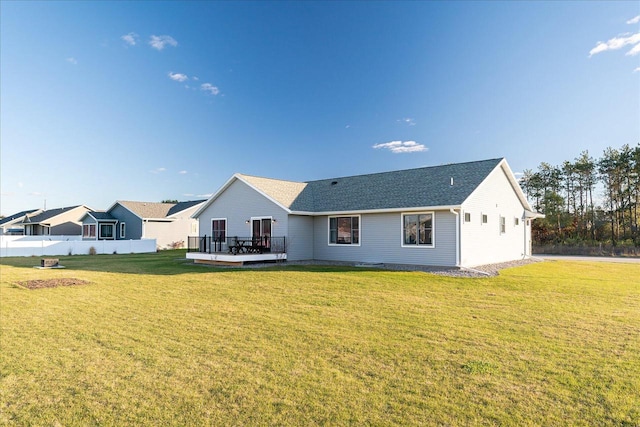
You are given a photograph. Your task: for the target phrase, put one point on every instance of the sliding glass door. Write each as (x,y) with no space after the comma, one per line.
(261,231)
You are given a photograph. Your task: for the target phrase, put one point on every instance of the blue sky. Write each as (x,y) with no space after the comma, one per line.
(106,101)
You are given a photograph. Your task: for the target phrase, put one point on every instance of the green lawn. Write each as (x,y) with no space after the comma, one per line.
(154,340)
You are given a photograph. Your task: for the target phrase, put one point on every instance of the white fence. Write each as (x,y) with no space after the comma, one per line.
(70,245)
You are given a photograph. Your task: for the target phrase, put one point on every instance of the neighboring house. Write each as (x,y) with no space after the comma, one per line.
(463,215)
(169,223)
(12,224)
(56,222)
(98,225)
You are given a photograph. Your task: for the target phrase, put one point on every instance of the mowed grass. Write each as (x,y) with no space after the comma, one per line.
(153,340)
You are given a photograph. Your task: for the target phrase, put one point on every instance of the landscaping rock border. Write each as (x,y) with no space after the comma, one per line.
(479,271)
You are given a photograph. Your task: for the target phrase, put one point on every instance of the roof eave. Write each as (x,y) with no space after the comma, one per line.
(529,214)
(374,211)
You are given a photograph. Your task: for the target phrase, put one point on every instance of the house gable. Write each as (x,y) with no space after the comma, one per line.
(238,204)
(133,223)
(493,225)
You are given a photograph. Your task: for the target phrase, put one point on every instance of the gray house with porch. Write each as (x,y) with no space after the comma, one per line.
(455,215)
(169,223)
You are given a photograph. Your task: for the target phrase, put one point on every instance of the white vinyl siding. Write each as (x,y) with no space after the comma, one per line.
(493,241)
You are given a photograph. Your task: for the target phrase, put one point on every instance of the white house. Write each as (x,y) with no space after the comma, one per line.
(456,215)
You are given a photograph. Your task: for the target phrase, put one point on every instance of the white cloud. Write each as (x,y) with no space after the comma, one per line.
(208,87)
(616,43)
(182,172)
(178,77)
(634,20)
(195,78)
(72,60)
(401,146)
(131,39)
(637,70)
(158,170)
(634,51)
(408,120)
(205,196)
(160,42)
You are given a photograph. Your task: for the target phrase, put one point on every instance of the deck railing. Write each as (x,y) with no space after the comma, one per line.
(237,245)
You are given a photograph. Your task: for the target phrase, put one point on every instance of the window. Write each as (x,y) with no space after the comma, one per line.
(503,226)
(467,217)
(417,229)
(123,230)
(89,230)
(484,218)
(344,230)
(106,231)
(516,221)
(219,229)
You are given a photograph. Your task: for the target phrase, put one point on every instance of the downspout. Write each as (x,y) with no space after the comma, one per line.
(458,242)
(526,254)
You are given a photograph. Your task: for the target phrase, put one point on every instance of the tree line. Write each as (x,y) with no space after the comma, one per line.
(587,200)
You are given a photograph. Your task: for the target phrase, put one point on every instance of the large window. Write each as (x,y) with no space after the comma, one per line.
(344,230)
(219,229)
(106,231)
(417,229)
(89,230)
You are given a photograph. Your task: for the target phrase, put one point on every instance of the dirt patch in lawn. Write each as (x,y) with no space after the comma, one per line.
(51,283)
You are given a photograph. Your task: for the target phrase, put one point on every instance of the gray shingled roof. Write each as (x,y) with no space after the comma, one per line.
(16,216)
(180,206)
(48,215)
(102,216)
(421,187)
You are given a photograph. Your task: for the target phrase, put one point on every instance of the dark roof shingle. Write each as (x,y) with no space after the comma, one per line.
(49,214)
(180,206)
(16,216)
(411,188)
